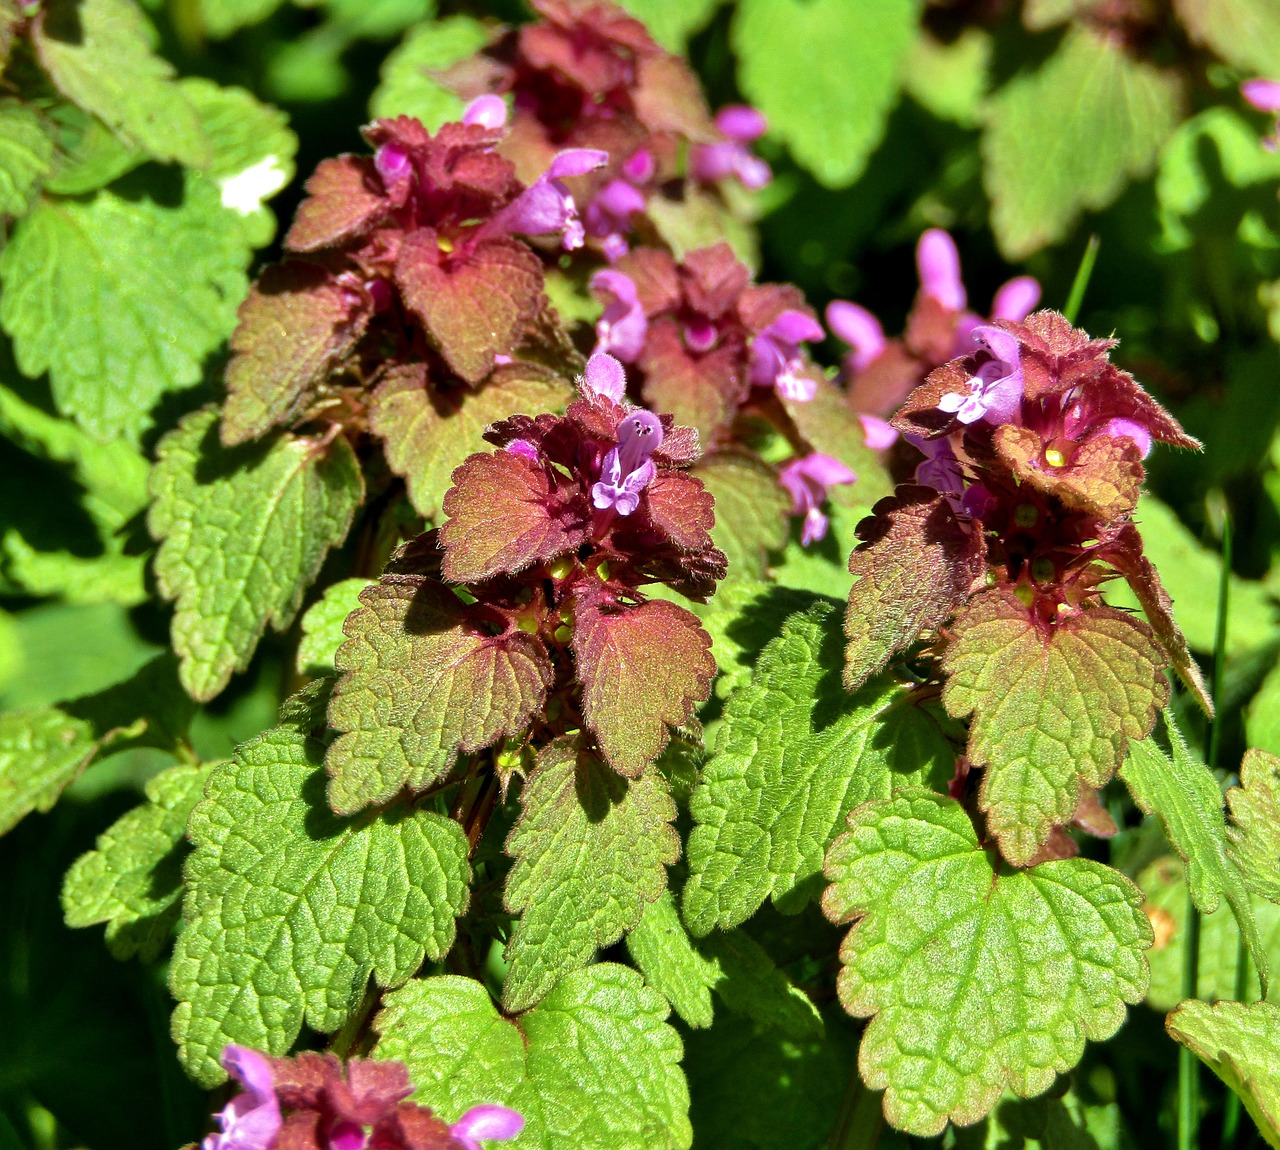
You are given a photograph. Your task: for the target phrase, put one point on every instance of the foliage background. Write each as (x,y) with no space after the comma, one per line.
(886,120)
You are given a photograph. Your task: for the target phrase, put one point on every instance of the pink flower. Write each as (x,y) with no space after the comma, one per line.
(740,125)
(1265,96)
(251,1120)
(487,1123)
(995,392)
(878,434)
(775,355)
(622,329)
(938,262)
(807,480)
(604,376)
(546,207)
(627,469)
(488,111)
(859,329)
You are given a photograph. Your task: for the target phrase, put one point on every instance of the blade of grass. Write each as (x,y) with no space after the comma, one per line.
(1083,273)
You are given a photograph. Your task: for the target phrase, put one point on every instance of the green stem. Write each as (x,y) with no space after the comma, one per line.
(1220,643)
(861,1118)
(1083,273)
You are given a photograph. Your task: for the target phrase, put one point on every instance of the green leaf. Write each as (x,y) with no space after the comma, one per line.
(1052,712)
(1068,1122)
(428,431)
(672,22)
(732,964)
(830,425)
(594,1066)
(219,18)
(91,155)
(1184,793)
(99,53)
(322,633)
(1166,891)
(132,881)
(242,535)
(407,85)
(1255,812)
(1070,135)
(1262,722)
(421,683)
(795,753)
(121,297)
(42,752)
(26,154)
(591,851)
(751,510)
(290,909)
(975,978)
(1238,1043)
(1245,33)
(825,73)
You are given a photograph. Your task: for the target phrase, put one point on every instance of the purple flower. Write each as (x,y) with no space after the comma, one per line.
(627,469)
(488,1123)
(546,207)
(878,434)
(608,216)
(859,329)
(604,376)
(995,392)
(1265,96)
(488,111)
(622,329)
(393,164)
(1016,299)
(775,355)
(251,1120)
(347,1136)
(806,480)
(938,262)
(522,448)
(940,469)
(1126,427)
(740,125)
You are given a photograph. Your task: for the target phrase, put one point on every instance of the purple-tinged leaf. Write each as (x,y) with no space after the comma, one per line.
(344,199)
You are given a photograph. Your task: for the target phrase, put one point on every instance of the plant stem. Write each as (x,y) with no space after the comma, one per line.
(1231,1110)
(861,1118)
(1188,1063)
(1083,273)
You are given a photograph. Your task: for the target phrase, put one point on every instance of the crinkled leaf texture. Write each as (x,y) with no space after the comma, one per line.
(42,752)
(594,1066)
(825,73)
(243,533)
(121,297)
(290,909)
(975,978)
(421,683)
(731,963)
(915,566)
(1069,135)
(322,632)
(1255,811)
(132,880)
(642,668)
(1183,792)
(1239,1044)
(795,753)
(429,432)
(591,851)
(1053,708)
(26,154)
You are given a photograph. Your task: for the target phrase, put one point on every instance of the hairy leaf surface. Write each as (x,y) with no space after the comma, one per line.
(594,1066)
(795,753)
(132,880)
(290,909)
(242,535)
(421,683)
(1255,811)
(974,978)
(591,853)
(1051,711)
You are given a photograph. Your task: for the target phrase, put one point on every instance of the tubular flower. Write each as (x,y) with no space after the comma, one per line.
(740,125)
(251,1120)
(627,469)
(806,481)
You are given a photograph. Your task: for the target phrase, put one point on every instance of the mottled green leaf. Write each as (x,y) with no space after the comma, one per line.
(122,296)
(751,510)
(290,909)
(1069,135)
(794,754)
(664,953)
(322,626)
(1255,813)
(825,73)
(26,154)
(594,1066)
(975,978)
(428,431)
(408,86)
(1052,710)
(591,851)
(132,880)
(1183,792)
(100,54)
(1239,1044)
(421,682)
(42,752)
(242,535)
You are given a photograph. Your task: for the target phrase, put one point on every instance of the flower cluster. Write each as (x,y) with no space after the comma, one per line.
(313,1102)
(590,76)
